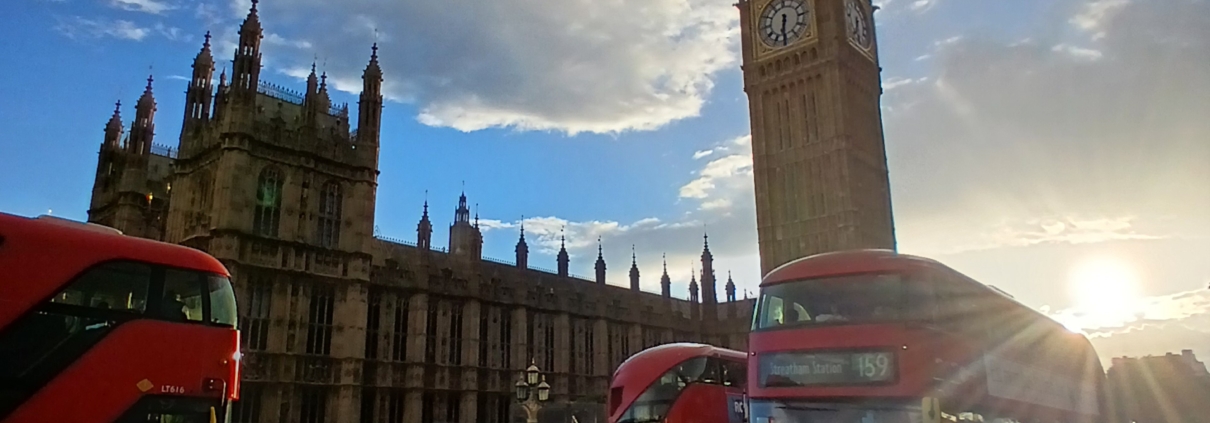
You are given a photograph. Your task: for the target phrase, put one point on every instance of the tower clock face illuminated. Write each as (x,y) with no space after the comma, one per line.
(782,22)
(857,22)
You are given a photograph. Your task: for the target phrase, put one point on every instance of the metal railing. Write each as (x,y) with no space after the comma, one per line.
(163,150)
(279,92)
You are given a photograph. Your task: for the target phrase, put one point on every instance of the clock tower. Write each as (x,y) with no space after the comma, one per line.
(819,163)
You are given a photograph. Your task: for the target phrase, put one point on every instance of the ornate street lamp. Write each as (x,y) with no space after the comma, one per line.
(531,374)
(532,391)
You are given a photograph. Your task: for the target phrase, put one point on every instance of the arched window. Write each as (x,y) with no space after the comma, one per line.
(203,190)
(268,202)
(330,202)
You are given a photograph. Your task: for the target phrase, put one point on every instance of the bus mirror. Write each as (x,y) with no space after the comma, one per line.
(930,409)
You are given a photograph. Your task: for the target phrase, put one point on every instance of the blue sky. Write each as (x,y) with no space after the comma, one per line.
(1056,149)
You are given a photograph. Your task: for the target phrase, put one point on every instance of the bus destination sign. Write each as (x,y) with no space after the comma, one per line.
(791,369)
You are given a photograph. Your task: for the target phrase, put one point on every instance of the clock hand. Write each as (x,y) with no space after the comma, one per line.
(784,40)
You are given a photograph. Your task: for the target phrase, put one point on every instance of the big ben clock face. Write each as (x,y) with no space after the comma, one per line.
(857,24)
(782,22)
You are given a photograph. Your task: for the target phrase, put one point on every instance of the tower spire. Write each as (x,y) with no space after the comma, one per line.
(113,128)
(634,270)
(693,285)
(562,258)
(424,229)
(245,72)
(198,95)
(600,267)
(522,248)
(142,130)
(730,288)
(463,213)
(665,280)
(708,280)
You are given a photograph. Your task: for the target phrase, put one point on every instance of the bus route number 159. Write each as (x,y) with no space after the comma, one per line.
(874,366)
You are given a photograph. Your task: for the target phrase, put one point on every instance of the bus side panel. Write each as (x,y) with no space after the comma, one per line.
(702,403)
(172,358)
(965,386)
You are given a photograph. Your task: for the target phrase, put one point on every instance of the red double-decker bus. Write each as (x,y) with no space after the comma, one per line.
(875,336)
(679,383)
(96,326)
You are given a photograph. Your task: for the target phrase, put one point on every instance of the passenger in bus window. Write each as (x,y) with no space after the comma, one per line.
(832,316)
(94,323)
(174,308)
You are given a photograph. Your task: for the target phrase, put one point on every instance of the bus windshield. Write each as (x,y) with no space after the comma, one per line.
(864,298)
(222,301)
(187,295)
(654,403)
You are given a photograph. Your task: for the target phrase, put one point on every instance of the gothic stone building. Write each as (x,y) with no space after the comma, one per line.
(339,325)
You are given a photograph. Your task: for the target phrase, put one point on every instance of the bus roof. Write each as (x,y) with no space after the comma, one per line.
(845,262)
(662,357)
(41,254)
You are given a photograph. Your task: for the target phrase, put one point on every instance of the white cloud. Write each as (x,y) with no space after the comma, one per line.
(947,41)
(1094,15)
(1148,326)
(702,153)
(1153,310)
(172,33)
(921,6)
(725,176)
(571,66)
(1026,154)
(1009,133)
(208,13)
(275,39)
(896,82)
(77,27)
(1080,52)
(147,6)
(914,6)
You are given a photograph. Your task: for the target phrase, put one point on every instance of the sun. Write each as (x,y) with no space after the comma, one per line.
(1105,290)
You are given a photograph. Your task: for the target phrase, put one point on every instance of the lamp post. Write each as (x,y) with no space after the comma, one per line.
(532,391)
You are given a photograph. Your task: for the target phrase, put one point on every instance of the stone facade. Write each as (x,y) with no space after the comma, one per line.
(339,325)
(818,157)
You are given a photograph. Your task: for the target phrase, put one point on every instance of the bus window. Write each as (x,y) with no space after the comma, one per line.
(734,373)
(111,286)
(222,301)
(713,371)
(959,307)
(847,299)
(921,299)
(778,312)
(182,298)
